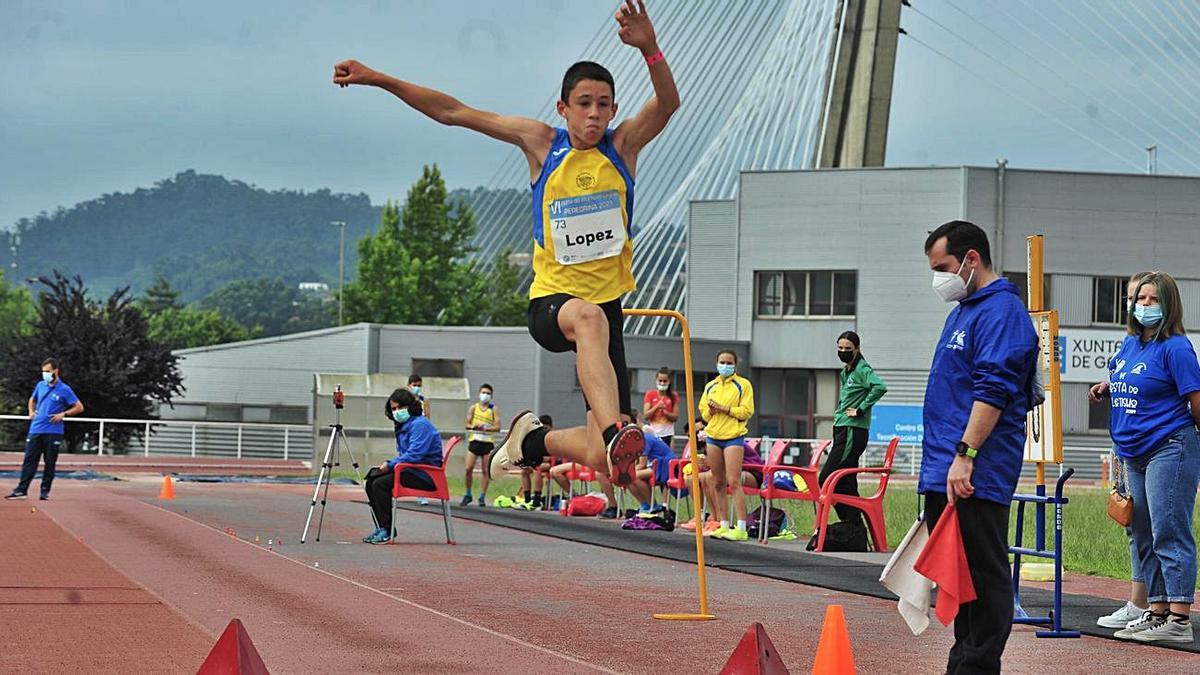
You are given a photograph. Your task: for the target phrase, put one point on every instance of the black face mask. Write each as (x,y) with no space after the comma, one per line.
(845,357)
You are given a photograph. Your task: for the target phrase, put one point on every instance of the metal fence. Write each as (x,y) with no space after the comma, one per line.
(183,438)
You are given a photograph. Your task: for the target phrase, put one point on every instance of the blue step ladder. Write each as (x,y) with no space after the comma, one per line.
(1040,500)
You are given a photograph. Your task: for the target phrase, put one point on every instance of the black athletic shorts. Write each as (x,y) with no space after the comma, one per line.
(543,326)
(480,448)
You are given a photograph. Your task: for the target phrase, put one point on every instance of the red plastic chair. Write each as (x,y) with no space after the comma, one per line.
(774,457)
(440,489)
(676,482)
(770,493)
(872,507)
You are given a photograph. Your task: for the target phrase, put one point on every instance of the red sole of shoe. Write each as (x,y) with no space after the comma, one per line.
(627,447)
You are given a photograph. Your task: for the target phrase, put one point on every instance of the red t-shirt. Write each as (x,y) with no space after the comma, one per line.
(659,423)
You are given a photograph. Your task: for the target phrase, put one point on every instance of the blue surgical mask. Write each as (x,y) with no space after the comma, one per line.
(47,377)
(401,415)
(725,369)
(484,397)
(1148,315)
(415,389)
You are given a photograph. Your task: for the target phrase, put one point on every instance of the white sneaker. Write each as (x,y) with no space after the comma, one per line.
(508,453)
(1148,621)
(1167,631)
(1122,617)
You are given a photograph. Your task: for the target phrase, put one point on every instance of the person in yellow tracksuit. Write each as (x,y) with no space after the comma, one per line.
(726,405)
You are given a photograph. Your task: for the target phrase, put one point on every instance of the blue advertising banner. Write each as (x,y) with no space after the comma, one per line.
(904,421)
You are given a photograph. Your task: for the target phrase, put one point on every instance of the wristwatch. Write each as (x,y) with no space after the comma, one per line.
(964,450)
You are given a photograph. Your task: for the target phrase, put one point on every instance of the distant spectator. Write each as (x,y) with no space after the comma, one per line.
(483,420)
(860,388)
(414,385)
(726,405)
(660,407)
(52,400)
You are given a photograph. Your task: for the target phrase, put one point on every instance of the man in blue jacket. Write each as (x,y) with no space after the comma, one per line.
(980,387)
(52,400)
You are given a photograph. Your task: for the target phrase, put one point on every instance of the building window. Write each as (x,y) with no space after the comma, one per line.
(1021,281)
(438,367)
(816,293)
(1099,414)
(784,402)
(289,415)
(1108,300)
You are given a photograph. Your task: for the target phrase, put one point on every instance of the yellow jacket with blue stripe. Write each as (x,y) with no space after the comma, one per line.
(736,393)
(582,214)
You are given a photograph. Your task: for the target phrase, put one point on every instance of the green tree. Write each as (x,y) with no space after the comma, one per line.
(183,327)
(387,279)
(272,305)
(17,311)
(160,297)
(105,352)
(415,270)
(507,305)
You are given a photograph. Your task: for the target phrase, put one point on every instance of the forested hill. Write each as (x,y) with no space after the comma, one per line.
(197,230)
(202,230)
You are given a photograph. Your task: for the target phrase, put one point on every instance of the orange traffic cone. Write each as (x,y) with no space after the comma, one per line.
(168,489)
(833,652)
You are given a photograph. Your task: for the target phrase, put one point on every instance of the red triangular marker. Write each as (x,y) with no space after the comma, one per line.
(944,561)
(234,654)
(754,655)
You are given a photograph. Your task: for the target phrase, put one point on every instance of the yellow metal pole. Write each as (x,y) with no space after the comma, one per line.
(703,615)
(1036,288)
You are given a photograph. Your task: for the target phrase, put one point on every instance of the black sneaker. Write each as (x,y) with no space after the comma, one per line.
(16,495)
(609,514)
(45,497)
(466,500)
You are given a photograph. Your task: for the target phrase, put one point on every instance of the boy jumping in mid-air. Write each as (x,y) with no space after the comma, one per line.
(583,185)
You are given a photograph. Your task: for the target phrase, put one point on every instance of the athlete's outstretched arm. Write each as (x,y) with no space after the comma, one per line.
(532,136)
(634,133)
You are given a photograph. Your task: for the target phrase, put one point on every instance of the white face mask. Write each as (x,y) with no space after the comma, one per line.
(661,387)
(949,286)
(484,397)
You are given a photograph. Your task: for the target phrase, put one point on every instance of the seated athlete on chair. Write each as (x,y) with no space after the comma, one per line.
(417,442)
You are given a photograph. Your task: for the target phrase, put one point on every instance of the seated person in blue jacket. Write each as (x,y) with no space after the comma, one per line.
(417,442)
(655,461)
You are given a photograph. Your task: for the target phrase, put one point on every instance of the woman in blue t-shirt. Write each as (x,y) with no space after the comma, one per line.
(1152,380)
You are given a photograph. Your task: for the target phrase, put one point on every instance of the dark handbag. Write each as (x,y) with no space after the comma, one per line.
(848,536)
(1120,508)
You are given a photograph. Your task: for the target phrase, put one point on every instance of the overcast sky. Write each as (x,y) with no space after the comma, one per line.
(107,96)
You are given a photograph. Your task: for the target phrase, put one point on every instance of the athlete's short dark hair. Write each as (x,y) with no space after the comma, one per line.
(586,70)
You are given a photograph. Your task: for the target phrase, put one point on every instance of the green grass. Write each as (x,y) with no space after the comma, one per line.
(1092,543)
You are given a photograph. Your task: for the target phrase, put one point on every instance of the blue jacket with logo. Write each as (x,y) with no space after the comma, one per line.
(987,352)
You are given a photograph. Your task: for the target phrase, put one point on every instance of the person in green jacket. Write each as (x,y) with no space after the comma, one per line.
(861,388)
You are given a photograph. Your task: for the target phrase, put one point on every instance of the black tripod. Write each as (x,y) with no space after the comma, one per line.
(333,452)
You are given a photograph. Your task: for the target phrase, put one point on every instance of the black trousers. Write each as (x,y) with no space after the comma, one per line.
(848,446)
(38,446)
(379,491)
(982,627)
